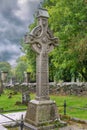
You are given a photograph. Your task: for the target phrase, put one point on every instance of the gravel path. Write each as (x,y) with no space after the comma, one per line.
(14,116)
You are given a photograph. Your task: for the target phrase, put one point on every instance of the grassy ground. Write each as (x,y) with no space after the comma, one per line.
(10,103)
(73,105)
(72,101)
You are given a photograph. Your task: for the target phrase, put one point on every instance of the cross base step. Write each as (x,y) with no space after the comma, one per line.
(41,114)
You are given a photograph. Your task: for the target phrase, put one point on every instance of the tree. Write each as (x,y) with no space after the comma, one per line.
(68,21)
(5,66)
(20,69)
(30,58)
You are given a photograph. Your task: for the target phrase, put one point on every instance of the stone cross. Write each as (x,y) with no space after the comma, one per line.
(42,42)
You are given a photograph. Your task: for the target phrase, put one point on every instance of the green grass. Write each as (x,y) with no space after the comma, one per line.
(9,103)
(72,101)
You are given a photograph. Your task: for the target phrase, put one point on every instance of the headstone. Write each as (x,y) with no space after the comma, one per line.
(27,77)
(2,80)
(3,76)
(42,110)
(25,88)
(1,87)
(25,97)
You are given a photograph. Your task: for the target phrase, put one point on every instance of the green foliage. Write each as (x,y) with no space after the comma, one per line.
(68,20)
(5,66)
(21,68)
(30,55)
(9,103)
(73,103)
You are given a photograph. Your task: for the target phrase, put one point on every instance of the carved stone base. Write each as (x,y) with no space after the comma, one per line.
(41,114)
(31,127)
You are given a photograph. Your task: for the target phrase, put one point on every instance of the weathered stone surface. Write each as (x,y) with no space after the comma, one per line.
(42,42)
(70,88)
(2,81)
(31,127)
(1,87)
(41,110)
(25,97)
(3,76)
(27,77)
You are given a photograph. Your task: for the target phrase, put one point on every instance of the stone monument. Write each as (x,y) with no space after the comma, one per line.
(27,77)
(1,87)
(4,76)
(3,80)
(25,88)
(42,111)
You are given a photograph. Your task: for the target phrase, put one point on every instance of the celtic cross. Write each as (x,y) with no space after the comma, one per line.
(42,42)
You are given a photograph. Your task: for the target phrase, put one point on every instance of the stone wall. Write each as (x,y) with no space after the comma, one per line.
(69,88)
(66,88)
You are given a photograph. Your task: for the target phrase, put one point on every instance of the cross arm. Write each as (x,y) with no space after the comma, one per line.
(52,44)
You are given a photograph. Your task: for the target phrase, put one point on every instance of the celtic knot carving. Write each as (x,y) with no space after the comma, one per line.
(36,31)
(45,39)
(42,42)
(44,22)
(49,32)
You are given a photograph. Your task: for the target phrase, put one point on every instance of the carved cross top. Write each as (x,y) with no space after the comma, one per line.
(42,42)
(41,37)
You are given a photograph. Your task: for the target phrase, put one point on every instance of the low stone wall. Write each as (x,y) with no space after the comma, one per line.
(65,88)
(70,88)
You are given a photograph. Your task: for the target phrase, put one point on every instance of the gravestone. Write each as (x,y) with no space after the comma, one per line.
(27,77)
(1,87)
(25,97)
(42,111)
(25,88)
(3,81)
(4,76)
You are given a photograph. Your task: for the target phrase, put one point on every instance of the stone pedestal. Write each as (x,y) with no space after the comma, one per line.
(41,114)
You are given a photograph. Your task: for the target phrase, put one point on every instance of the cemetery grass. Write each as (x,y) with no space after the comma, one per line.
(75,105)
(9,104)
